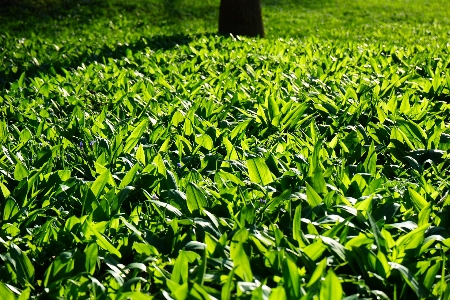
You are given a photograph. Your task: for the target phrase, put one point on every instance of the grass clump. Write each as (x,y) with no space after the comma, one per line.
(144,156)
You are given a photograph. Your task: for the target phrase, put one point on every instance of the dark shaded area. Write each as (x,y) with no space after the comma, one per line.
(159,42)
(241,17)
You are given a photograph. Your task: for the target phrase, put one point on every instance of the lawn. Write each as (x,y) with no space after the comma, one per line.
(143,156)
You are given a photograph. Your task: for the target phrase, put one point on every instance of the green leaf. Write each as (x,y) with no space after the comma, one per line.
(133,139)
(180,270)
(408,276)
(140,154)
(23,267)
(413,239)
(6,293)
(273,109)
(21,80)
(258,171)
(418,201)
(430,275)
(10,210)
(318,272)
(20,172)
(91,253)
(242,263)
(291,277)
(99,183)
(128,178)
(6,193)
(102,241)
(205,141)
(25,295)
(370,164)
(424,215)
(228,286)
(313,198)
(195,198)
(277,293)
(331,288)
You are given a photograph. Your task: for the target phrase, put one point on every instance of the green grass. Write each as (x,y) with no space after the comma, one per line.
(143,156)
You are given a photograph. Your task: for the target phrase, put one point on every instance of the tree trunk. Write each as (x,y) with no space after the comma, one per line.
(241,17)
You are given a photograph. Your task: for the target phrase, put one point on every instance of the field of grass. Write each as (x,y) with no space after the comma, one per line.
(145,157)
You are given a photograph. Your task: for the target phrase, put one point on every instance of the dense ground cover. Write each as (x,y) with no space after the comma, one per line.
(143,156)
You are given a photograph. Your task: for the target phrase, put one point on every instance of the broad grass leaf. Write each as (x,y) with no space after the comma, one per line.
(273,109)
(205,141)
(196,200)
(296,227)
(23,266)
(331,288)
(20,172)
(370,164)
(291,277)
(228,287)
(413,239)
(414,132)
(25,295)
(140,154)
(180,271)
(6,293)
(6,193)
(313,198)
(417,200)
(102,241)
(159,163)
(10,210)
(239,128)
(133,139)
(315,250)
(258,171)
(99,183)
(242,263)
(409,278)
(430,276)
(278,293)
(128,178)
(318,272)
(229,177)
(91,253)
(424,215)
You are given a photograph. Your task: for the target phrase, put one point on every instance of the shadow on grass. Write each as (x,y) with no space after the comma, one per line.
(157,42)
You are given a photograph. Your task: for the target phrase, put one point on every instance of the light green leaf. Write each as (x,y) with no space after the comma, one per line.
(418,201)
(228,286)
(6,293)
(140,154)
(20,172)
(205,141)
(318,272)
(195,198)
(133,139)
(258,171)
(242,263)
(99,183)
(102,241)
(10,210)
(6,193)
(91,253)
(313,198)
(331,288)
(128,178)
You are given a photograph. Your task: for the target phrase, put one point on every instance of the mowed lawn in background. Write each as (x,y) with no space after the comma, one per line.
(143,156)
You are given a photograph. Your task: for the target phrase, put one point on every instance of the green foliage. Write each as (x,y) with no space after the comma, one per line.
(141,166)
